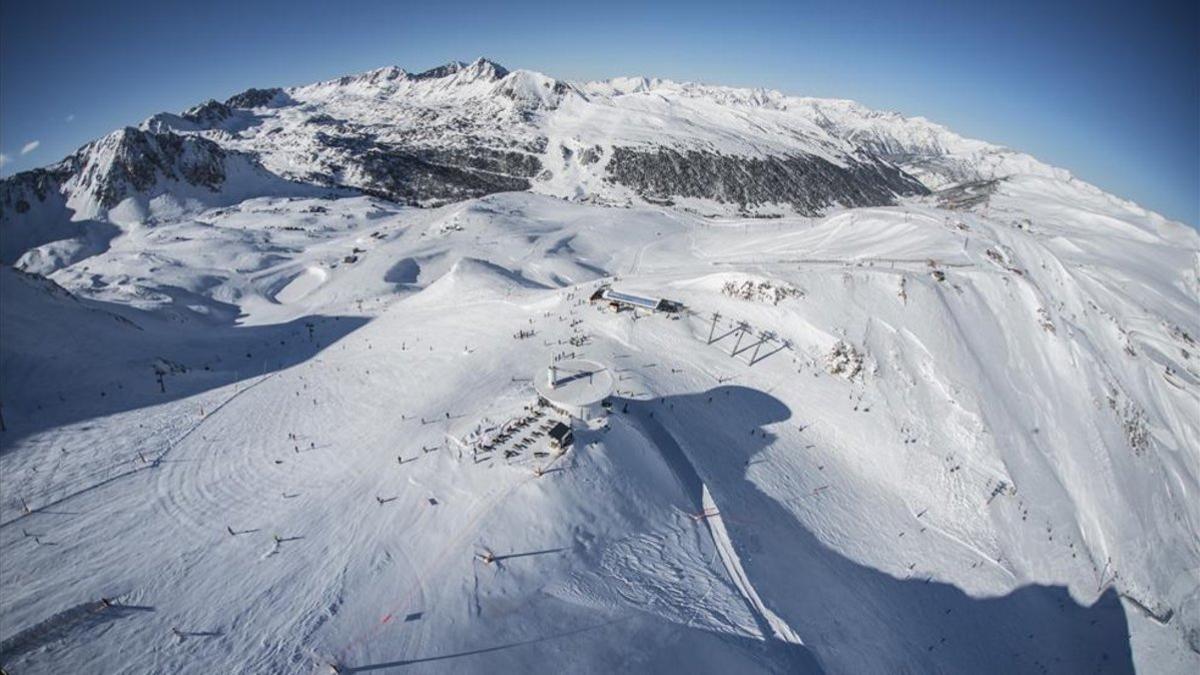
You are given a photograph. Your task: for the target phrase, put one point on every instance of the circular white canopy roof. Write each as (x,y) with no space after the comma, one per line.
(578,383)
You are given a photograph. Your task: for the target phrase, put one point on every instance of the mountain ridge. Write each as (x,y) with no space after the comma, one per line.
(462,130)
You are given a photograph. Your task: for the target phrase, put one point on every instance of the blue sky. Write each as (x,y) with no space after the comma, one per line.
(1110,91)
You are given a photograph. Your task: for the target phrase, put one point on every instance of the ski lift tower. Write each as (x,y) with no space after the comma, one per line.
(577,387)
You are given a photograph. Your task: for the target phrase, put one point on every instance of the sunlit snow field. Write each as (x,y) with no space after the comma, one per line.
(890,439)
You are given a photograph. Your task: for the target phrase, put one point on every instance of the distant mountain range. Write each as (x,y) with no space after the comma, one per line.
(462,130)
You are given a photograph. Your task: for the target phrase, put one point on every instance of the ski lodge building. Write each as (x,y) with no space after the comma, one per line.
(561,436)
(618,300)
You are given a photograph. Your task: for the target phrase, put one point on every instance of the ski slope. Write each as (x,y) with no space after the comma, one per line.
(946,441)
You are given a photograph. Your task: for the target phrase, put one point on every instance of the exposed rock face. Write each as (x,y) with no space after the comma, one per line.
(208,114)
(132,161)
(481,67)
(18,193)
(761,291)
(33,210)
(808,183)
(70,199)
(439,72)
(844,360)
(257,98)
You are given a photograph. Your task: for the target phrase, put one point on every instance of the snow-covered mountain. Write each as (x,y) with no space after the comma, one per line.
(932,405)
(466,130)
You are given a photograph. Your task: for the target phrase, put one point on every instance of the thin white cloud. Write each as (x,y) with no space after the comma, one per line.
(71,117)
(4,159)
(30,147)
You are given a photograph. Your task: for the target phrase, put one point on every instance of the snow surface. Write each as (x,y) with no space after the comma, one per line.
(263,421)
(574,383)
(1007,482)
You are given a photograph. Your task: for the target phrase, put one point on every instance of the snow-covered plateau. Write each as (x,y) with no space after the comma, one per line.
(267,387)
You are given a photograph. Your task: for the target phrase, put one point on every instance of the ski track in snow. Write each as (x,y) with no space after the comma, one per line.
(777,626)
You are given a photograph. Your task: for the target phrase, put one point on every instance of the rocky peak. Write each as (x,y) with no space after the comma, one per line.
(257,98)
(132,160)
(479,69)
(485,69)
(441,71)
(207,114)
(533,90)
